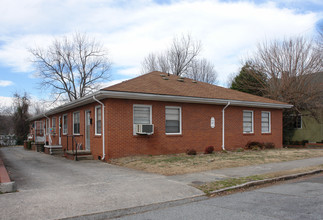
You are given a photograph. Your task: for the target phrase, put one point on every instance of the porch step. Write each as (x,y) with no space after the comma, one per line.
(81,155)
(54,149)
(79,152)
(84,157)
(57,151)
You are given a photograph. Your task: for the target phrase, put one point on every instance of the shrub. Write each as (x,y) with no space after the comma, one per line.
(269,145)
(254,145)
(29,145)
(191,152)
(304,142)
(209,150)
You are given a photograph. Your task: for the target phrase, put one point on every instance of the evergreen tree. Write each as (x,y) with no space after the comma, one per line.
(250,81)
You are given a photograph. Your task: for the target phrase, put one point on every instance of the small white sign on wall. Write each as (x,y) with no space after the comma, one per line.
(212,122)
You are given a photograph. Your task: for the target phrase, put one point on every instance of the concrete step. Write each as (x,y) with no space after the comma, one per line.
(56,151)
(79,152)
(85,157)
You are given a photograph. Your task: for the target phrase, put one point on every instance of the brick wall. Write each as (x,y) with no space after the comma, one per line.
(196,130)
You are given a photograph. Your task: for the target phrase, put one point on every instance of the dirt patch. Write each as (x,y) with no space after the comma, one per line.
(181,163)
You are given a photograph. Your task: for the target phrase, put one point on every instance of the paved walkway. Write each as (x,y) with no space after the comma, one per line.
(219,174)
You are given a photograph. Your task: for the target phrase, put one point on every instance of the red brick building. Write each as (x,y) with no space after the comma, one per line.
(177,114)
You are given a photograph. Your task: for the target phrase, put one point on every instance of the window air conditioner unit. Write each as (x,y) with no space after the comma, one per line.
(144,129)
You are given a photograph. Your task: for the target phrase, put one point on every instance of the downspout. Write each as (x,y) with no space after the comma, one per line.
(103,133)
(223,148)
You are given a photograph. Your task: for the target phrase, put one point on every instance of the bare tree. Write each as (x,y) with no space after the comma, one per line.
(293,67)
(181,59)
(202,70)
(71,66)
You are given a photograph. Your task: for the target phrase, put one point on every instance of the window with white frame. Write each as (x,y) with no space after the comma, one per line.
(64,124)
(98,120)
(173,120)
(76,123)
(54,125)
(142,114)
(247,121)
(265,122)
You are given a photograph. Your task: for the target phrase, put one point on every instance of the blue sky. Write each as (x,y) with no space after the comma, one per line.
(228,30)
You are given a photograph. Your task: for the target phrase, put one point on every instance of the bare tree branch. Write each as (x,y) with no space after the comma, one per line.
(71,65)
(181,59)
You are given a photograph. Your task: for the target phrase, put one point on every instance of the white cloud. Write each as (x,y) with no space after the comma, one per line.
(228,30)
(4,83)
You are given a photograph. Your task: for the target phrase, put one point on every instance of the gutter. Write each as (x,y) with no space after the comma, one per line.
(223,110)
(103,130)
(157,97)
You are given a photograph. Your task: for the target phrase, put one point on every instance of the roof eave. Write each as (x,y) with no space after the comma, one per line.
(188,99)
(102,94)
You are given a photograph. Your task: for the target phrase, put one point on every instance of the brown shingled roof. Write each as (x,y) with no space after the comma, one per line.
(154,83)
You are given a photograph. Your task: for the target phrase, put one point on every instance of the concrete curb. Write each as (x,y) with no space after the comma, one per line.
(8,187)
(261,182)
(139,209)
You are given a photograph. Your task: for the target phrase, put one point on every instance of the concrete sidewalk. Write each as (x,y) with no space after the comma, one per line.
(213,175)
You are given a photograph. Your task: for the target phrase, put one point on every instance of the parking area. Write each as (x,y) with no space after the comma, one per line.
(53,187)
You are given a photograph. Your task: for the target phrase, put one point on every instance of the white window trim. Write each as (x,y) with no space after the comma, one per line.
(301,122)
(54,119)
(133,115)
(252,122)
(95,112)
(63,123)
(180,120)
(269,115)
(79,122)
(47,125)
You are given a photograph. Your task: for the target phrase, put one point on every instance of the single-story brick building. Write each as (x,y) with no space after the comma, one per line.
(158,113)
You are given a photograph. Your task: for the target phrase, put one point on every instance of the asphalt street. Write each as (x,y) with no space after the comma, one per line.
(301,199)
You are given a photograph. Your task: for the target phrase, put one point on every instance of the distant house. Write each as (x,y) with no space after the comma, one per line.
(158,113)
(7,140)
(306,128)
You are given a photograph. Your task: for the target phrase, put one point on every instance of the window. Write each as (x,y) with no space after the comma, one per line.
(173,120)
(54,125)
(141,115)
(98,120)
(47,126)
(64,124)
(247,121)
(298,122)
(265,122)
(76,123)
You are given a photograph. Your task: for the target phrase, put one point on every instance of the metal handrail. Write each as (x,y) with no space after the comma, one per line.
(76,144)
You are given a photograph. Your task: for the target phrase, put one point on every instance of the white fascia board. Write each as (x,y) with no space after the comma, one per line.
(155,97)
(170,98)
